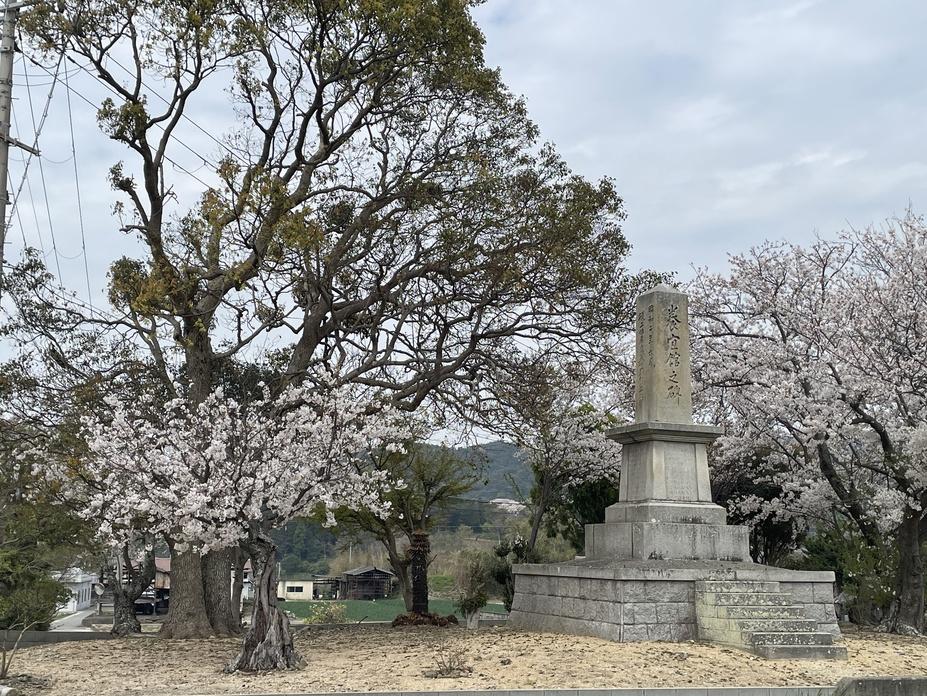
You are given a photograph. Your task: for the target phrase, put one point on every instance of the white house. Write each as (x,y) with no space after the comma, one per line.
(295,588)
(81,584)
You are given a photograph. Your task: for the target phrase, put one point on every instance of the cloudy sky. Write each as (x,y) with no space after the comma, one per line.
(726,123)
(723,123)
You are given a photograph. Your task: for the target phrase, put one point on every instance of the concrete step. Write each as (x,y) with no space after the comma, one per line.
(728,637)
(801,652)
(735,586)
(756,638)
(775,625)
(755,599)
(764,612)
(759,625)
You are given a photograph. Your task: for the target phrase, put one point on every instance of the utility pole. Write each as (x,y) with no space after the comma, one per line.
(7,53)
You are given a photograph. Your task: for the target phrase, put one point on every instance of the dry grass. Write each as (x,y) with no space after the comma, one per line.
(378,658)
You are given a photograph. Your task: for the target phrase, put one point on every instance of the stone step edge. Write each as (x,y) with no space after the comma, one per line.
(751,636)
(745,638)
(802,652)
(753,606)
(800,625)
(748,636)
(775,599)
(705,593)
(787,652)
(734,586)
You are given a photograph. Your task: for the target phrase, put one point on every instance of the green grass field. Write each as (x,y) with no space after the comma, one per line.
(381,609)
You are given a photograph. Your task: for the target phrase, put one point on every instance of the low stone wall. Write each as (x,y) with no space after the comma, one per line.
(31,638)
(645,601)
(620,610)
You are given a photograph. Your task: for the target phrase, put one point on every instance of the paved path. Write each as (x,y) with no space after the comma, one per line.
(72,622)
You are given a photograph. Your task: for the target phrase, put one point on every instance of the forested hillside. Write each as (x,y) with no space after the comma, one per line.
(502,466)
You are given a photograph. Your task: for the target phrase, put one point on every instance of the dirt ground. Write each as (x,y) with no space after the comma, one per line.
(378,658)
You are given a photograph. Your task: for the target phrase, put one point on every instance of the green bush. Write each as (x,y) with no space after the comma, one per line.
(472,579)
(33,603)
(508,553)
(865,574)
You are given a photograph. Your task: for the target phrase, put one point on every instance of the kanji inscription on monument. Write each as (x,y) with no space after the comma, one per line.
(663,389)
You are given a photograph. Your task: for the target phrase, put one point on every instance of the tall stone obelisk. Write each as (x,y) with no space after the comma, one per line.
(664,508)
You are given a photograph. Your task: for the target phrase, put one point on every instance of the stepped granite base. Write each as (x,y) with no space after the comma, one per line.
(627,600)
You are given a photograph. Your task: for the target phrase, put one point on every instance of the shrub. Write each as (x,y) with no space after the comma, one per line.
(508,553)
(472,579)
(33,604)
(327,613)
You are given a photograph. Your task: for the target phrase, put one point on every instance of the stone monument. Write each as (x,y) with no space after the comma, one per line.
(665,565)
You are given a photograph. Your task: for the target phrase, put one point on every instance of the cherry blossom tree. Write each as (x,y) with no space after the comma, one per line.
(816,356)
(559,433)
(223,473)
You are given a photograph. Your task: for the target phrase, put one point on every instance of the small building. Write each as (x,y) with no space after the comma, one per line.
(81,586)
(162,579)
(295,588)
(367,582)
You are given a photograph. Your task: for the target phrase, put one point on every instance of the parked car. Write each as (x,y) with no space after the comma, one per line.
(145,604)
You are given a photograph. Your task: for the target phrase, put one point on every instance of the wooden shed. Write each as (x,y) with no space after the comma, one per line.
(367,582)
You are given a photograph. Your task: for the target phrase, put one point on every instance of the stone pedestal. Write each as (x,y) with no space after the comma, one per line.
(664,509)
(653,600)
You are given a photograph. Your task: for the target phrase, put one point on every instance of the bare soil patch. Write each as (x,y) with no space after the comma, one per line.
(380,658)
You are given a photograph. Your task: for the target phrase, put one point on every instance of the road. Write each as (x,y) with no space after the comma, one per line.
(72,622)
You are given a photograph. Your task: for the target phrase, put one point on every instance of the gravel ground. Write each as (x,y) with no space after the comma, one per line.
(378,658)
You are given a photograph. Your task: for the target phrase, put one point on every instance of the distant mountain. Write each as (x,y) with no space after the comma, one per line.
(500,463)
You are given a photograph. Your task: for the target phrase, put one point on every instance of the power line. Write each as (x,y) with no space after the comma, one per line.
(38,129)
(174,138)
(80,209)
(183,115)
(35,215)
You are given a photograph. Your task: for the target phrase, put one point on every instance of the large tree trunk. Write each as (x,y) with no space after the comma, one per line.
(405,586)
(125,622)
(419,549)
(268,643)
(137,581)
(217,592)
(239,559)
(910,582)
(400,567)
(186,617)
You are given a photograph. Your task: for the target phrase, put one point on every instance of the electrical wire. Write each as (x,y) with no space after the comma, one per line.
(184,116)
(37,128)
(80,208)
(28,182)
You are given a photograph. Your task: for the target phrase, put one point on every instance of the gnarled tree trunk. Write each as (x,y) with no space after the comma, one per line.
(400,566)
(138,580)
(418,551)
(217,592)
(186,617)
(268,642)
